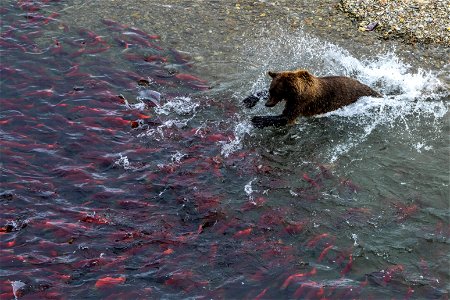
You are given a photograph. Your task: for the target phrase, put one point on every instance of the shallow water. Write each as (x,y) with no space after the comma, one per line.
(125,175)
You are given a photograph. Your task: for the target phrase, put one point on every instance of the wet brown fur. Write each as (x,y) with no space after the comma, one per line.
(308,95)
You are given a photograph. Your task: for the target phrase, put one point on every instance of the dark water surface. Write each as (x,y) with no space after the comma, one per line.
(124,175)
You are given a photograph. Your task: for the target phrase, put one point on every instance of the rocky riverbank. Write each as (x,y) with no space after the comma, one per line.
(414,21)
(215,33)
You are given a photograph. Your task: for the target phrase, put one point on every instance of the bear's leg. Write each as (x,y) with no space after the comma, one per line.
(251,100)
(264,121)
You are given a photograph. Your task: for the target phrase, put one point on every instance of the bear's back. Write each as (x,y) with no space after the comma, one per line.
(347,87)
(335,92)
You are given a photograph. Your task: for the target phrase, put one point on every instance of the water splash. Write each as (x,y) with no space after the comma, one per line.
(178,112)
(410,95)
(178,105)
(16,286)
(241,130)
(176,157)
(249,190)
(153,98)
(123,162)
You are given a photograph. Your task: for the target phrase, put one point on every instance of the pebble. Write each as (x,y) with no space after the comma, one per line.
(414,21)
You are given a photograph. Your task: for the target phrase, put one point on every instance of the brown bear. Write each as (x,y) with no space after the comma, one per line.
(306,95)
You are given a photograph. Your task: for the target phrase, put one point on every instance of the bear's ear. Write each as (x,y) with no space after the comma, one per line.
(303,74)
(272,74)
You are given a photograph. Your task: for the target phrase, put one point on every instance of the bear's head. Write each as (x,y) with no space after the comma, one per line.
(287,85)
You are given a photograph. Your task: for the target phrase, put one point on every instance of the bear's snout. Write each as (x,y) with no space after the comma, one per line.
(271,102)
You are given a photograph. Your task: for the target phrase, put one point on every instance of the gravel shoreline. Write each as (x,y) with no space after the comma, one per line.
(414,21)
(215,32)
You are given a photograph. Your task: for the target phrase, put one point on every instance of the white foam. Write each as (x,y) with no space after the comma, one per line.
(123,162)
(355,239)
(180,110)
(241,129)
(16,286)
(248,187)
(422,146)
(249,190)
(176,158)
(134,106)
(178,105)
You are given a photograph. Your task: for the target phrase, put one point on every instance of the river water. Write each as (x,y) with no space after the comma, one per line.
(130,169)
